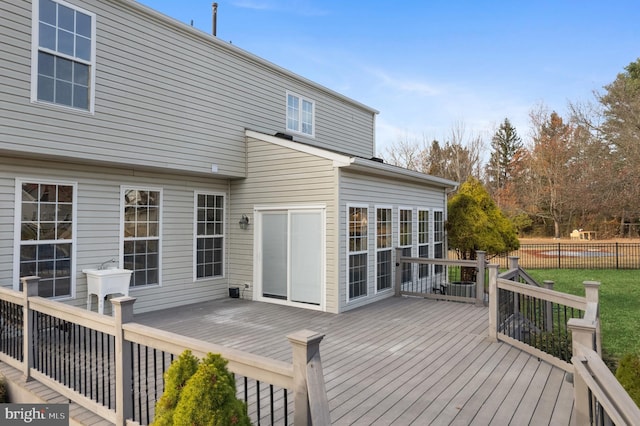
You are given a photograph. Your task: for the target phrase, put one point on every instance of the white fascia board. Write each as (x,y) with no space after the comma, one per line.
(382,169)
(339,160)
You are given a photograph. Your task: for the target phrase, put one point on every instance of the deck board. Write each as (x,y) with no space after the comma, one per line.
(398,361)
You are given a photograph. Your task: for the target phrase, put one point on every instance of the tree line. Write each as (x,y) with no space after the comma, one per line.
(577,171)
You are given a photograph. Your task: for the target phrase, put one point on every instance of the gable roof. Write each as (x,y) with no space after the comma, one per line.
(355,163)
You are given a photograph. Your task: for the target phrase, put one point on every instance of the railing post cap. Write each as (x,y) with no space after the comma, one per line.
(123,300)
(305,337)
(30,285)
(591,284)
(579,324)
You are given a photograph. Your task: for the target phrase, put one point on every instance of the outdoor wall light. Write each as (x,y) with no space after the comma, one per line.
(244,222)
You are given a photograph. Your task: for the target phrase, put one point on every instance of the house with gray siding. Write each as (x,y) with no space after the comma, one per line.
(128,138)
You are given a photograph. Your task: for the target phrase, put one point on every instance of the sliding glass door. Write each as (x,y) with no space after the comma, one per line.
(291,255)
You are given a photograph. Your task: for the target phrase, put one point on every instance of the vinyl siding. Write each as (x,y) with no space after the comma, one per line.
(374,191)
(167,96)
(98,227)
(279,176)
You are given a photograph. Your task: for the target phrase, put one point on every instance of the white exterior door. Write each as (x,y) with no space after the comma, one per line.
(290,260)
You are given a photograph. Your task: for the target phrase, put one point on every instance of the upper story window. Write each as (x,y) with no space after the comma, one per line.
(63,57)
(300,114)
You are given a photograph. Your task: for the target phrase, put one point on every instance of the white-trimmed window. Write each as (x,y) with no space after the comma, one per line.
(300,114)
(405,237)
(46,219)
(358,251)
(438,238)
(63,54)
(384,238)
(141,211)
(209,235)
(423,241)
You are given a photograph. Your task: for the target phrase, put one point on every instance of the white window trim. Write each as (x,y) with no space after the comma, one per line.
(433,239)
(348,253)
(432,231)
(376,249)
(430,224)
(413,228)
(123,188)
(413,244)
(17,230)
(429,236)
(35,48)
(313,114)
(195,235)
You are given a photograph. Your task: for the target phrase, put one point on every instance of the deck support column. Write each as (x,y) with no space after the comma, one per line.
(29,289)
(123,313)
(398,275)
(481,257)
(493,302)
(592,294)
(582,334)
(310,396)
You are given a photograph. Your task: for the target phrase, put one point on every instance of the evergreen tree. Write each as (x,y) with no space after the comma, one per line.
(621,135)
(505,145)
(476,223)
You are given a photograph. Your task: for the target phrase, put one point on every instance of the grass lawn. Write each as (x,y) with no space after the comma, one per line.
(619,303)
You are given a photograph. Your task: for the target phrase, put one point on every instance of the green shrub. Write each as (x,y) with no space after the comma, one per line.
(175,379)
(628,374)
(200,393)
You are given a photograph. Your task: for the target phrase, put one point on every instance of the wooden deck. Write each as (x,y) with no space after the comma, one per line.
(400,361)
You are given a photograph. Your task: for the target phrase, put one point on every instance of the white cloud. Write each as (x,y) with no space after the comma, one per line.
(404,84)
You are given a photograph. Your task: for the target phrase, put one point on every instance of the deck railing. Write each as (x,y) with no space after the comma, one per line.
(599,399)
(563,330)
(441,279)
(114,367)
(534,318)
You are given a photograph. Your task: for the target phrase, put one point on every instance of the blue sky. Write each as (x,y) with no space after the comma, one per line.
(427,65)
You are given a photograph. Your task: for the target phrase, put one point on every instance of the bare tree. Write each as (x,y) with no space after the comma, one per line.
(553,163)
(457,159)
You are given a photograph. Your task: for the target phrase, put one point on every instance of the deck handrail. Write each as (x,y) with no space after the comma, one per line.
(598,396)
(515,272)
(303,376)
(517,330)
(597,393)
(479,264)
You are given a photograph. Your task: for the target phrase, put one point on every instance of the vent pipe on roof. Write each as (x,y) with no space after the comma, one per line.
(215,19)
